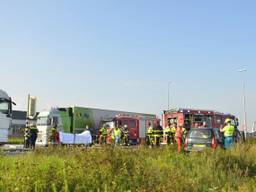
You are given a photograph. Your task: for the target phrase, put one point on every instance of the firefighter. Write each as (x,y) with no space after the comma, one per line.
(167,133)
(150,135)
(157,133)
(126,135)
(173,132)
(179,136)
(26,136)
(228,131)
(33,136)
(117,135)
(54,138)
(103,134)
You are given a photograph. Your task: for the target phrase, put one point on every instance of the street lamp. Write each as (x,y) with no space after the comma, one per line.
(242,71)
(169,85)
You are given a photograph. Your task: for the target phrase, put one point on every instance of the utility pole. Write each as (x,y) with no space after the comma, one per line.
(169,85)
(242,71)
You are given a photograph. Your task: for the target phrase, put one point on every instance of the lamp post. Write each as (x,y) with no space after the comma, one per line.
(242,71)
(169,85)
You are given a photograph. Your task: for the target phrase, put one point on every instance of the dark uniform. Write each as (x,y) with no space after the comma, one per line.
(26,137)
(33,136)
(157,134)
(126,137)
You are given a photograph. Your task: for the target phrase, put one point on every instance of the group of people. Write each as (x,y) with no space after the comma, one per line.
(172,134)
(119,134)
(30,136)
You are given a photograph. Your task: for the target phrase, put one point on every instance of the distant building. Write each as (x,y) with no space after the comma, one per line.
(18,122)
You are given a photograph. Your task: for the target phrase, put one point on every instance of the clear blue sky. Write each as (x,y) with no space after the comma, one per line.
(121,54)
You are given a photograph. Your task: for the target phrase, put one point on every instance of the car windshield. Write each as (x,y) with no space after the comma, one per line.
(4,107)
(203,133)
(42,121)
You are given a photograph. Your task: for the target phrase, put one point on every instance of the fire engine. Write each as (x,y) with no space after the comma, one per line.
(137,126)
(189,118)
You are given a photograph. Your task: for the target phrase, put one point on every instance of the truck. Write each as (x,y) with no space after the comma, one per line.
(75,119)
(136,124)
(5,116)
(190,117)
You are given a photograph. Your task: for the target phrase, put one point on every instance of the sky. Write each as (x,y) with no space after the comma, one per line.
(121,55)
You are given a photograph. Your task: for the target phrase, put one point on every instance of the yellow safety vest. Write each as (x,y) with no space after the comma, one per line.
(229,131)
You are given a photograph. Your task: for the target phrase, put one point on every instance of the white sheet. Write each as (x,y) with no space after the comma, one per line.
(84,138)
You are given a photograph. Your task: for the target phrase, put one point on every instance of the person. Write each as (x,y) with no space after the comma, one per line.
(54,137)
(150,134)
(173,132)
(26,136)
(33,136)
(103,134)
(157,133)
(167,133)
(126,135)
(179,135)
(196,125)
(228,131)
(117,135)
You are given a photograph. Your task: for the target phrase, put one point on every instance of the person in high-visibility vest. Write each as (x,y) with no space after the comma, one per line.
(167,134)
(125,139)
(150,135)
(173,132)
(179,135)
(117,135)
(228,131)
(157,133)
(103,134)
(54,138)
(26,136)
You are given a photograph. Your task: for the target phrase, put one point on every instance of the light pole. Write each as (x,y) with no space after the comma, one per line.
(242,71)
(169,85)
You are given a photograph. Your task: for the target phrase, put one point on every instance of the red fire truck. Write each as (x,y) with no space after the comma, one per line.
(137,125)
(190,118)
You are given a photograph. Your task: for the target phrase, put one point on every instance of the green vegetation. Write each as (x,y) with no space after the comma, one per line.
(136,169)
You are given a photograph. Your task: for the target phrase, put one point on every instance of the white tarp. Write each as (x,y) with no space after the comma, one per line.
(84,138)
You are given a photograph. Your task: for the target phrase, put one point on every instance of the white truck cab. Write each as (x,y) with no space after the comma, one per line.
(45,121)
(5,116)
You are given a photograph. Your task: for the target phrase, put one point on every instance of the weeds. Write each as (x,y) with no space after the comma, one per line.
(136,169)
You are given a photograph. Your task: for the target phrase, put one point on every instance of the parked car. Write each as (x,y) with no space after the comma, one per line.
(199,139)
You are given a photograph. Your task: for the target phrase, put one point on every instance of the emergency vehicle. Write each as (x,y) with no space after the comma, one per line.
(5,116)
(190,118)
(137,126)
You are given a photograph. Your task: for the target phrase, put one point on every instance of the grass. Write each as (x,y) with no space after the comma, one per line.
(138,169)
(16,140)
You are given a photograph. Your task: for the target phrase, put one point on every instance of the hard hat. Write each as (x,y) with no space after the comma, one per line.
(228,120)
(125,126)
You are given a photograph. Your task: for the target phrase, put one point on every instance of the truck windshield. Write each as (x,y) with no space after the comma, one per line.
(4,107)
(43,121)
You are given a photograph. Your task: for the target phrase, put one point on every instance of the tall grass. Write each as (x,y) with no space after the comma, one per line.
(137,169)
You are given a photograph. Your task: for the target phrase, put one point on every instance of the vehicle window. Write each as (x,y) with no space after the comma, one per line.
(4,107)
(198,118)
(201,134)
(132,123)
